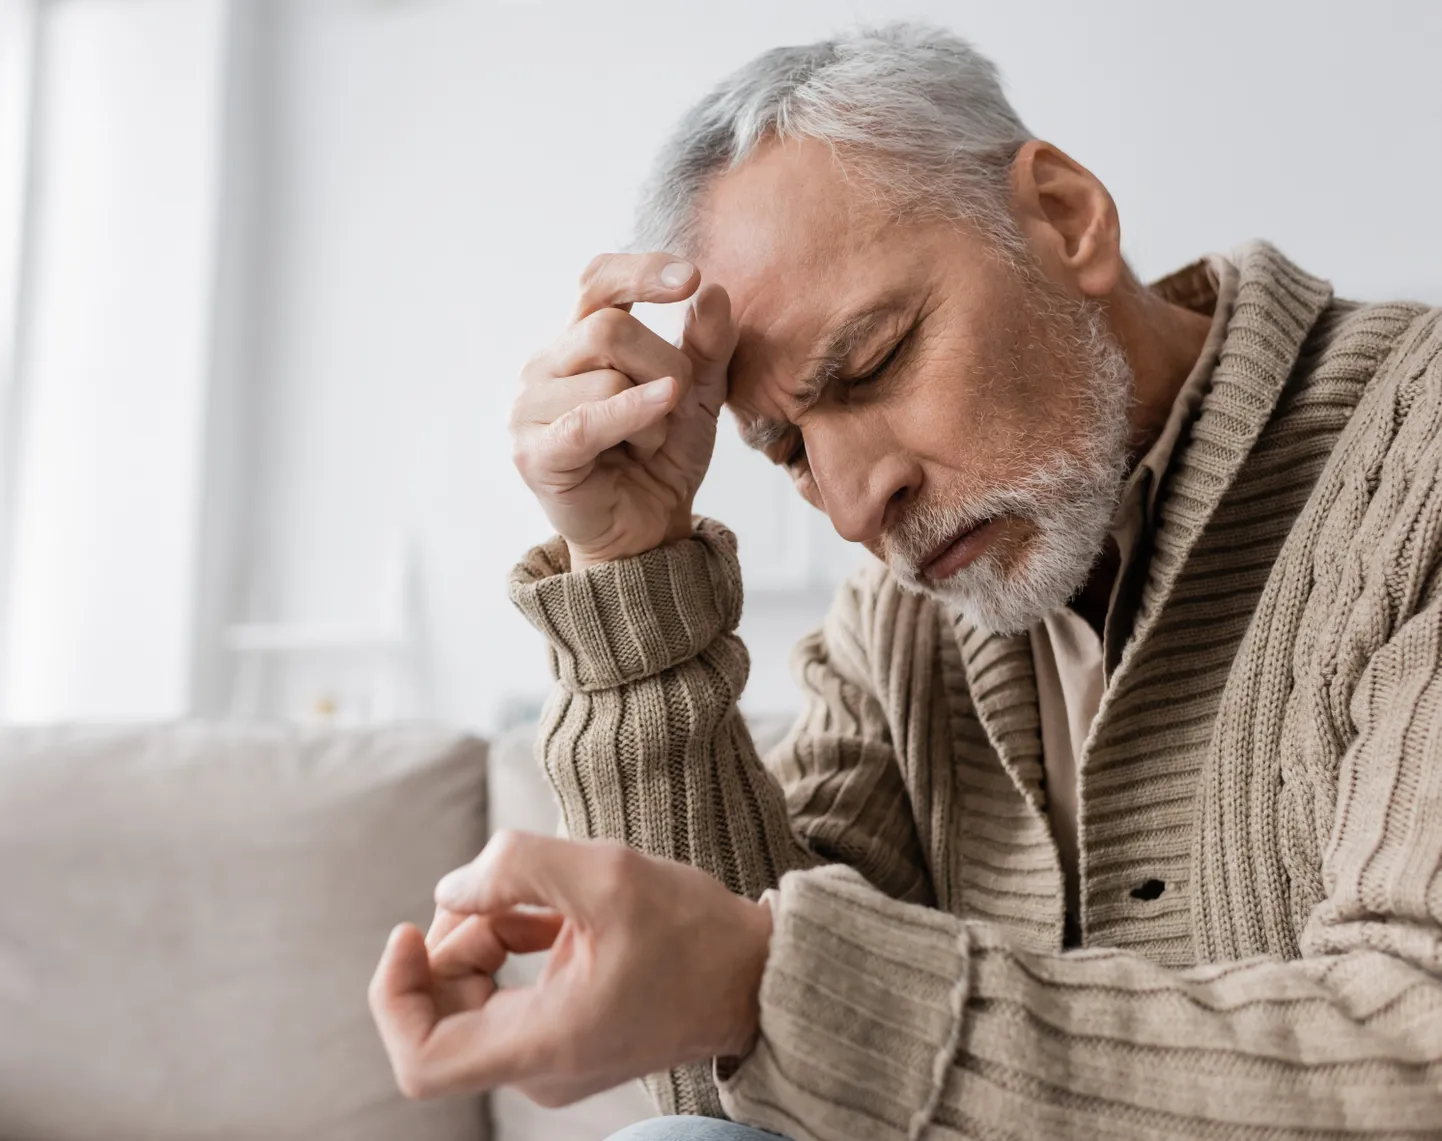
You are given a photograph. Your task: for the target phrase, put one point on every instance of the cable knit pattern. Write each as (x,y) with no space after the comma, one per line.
(1269,751)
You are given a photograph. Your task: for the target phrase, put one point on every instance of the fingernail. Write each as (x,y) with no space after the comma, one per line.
(657,391)
(677,274)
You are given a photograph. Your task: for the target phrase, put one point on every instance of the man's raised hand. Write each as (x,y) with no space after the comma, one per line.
(614,427)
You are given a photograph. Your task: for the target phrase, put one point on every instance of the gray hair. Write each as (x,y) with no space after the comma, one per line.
(917,111)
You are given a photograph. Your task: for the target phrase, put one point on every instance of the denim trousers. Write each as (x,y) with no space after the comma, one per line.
(691,1129)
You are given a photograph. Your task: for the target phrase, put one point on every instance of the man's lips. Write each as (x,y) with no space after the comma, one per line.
(959,551)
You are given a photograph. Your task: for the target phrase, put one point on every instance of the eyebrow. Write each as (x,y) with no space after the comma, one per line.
(763,433)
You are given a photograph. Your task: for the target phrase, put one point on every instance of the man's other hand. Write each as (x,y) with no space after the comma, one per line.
(614,427)
(652,964)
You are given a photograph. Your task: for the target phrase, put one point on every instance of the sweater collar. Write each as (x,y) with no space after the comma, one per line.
(1277,303)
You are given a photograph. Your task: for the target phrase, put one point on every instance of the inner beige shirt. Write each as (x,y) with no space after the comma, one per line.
(1073,664)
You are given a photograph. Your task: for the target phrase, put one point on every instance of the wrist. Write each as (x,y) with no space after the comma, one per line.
(678,530)
(584,560)
(746,1021)
(682,526)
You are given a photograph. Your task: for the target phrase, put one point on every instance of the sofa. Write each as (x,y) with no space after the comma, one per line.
(189,915)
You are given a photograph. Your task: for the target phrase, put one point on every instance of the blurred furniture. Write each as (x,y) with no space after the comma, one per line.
(336,675)
(191,913)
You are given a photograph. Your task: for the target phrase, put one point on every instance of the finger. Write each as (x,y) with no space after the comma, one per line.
(506,1039)
(709,334)
(400,995)
(526,932)
(522,868)
(471,947)
(647,443)
(582,434)
(620,280)
(543,404)
(483,942)
(611,339)
(616,340)
(442,925)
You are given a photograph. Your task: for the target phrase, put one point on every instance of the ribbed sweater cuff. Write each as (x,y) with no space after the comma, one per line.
(861,1011)
(618,622)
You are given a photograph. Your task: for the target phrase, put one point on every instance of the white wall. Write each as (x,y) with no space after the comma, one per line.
(114,356)
(17,51)
(436,174)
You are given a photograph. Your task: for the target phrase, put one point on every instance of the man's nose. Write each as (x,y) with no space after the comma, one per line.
(862,489)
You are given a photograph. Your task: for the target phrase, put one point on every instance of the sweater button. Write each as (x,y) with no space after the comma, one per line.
(1148,890)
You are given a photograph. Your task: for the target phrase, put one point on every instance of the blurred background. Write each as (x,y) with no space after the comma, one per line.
(269,270)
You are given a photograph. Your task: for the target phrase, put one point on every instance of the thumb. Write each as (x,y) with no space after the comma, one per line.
(400,992)
(709,334)
(518,869)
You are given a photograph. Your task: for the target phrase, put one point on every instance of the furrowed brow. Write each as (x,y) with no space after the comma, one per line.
(821,370)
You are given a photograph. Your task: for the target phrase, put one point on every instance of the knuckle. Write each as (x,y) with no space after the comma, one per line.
(595,268)
(536,365)
(516,420)
(607,327)
(523,458)
(615,869)
(613,384)
(413,1082)
(504,848)
(571,430)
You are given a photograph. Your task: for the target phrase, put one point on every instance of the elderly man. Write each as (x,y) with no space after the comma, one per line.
(1115,808)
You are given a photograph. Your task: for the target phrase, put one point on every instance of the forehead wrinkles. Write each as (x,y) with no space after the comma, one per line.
(791,237)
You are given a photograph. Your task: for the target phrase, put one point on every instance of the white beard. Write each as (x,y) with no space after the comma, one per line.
(1070,499)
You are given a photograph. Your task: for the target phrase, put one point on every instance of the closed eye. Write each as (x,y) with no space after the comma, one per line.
(795,458)
(882,367)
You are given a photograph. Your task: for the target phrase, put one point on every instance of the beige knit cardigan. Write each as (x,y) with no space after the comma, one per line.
(1269,749)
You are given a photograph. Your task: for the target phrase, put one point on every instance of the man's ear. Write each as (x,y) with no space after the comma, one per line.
(1067,218)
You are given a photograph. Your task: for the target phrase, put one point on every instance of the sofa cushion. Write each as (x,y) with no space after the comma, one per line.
(190,917)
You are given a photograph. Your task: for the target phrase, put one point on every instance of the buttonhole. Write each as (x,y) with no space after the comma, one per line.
(1149,890)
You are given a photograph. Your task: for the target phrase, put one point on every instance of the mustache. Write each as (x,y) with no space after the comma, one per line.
(932,522)
(928,525)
